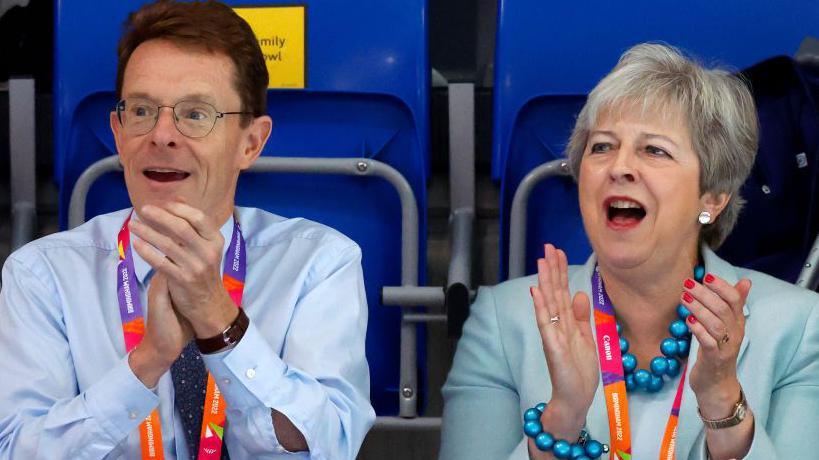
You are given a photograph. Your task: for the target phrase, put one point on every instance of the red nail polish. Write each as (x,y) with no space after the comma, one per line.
(688,297)
(689,283)
(709,278)
(692,319)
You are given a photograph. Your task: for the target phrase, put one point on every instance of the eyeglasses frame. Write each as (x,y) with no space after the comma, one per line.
(121,106)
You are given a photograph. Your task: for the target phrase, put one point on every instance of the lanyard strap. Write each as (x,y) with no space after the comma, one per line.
(614,385)
(133,327)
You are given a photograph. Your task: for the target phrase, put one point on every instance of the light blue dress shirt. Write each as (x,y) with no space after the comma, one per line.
(68,392)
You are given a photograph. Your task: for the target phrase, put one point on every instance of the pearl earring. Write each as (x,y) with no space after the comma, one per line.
(704,218)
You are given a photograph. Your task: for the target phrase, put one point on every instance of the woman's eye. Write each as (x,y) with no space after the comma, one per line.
(600,147)
(656,151)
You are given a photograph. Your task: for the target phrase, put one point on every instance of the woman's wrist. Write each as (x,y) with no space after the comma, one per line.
(562,420)
(719,401)
(550,440)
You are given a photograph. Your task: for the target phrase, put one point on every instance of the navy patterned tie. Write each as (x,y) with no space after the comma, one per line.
(190,380)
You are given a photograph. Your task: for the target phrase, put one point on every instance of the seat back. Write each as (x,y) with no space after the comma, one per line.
(366,94)
(780,222)
(550,55)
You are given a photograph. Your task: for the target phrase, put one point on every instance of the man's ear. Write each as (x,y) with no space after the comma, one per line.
(116,129)
(255,138)
(714,203)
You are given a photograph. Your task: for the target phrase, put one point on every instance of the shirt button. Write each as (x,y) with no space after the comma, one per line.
(225,381)
(250,373)
(132,415)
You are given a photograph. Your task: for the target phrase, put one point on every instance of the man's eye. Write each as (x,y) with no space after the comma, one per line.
(600,147)
(197,115)
(140,111)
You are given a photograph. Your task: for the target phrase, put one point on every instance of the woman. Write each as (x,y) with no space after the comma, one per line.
(659,152)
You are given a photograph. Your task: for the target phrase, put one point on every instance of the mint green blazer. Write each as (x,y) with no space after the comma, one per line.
(500,370)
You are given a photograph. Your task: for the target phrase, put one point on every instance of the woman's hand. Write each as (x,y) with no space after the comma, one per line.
(568,342)
(718,323)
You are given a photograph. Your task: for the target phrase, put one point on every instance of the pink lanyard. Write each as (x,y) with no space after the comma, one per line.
(614,385)
(133,327)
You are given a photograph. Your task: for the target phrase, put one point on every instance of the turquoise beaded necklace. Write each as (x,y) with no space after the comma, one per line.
(674,349)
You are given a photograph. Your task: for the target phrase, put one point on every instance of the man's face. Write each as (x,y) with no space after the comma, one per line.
(163,164)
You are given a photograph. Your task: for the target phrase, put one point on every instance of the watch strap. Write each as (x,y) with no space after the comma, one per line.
(228,338)
(740,411)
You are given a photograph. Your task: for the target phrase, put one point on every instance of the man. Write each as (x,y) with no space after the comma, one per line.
(90,373)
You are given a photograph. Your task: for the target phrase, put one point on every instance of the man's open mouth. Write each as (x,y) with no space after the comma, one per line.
(165,175)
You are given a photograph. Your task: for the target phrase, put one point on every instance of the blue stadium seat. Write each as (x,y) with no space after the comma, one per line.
(366,95)
(780,222)
(549,55)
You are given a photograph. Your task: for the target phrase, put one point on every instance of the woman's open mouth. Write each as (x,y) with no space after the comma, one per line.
(623,213)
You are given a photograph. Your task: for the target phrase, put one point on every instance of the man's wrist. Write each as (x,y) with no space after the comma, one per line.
(147,366)
(227,338)
(215,321)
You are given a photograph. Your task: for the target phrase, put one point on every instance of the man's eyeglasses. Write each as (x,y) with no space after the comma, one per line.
(192,118)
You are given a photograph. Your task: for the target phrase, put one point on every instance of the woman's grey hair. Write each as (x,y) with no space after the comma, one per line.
(717,107)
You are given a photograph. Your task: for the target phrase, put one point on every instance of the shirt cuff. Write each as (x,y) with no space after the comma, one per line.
(120,401)
(247,371)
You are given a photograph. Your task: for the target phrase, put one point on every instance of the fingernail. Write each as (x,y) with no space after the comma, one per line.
(692,319)
(709,278)
(688,297)
(689,283)
(531,291)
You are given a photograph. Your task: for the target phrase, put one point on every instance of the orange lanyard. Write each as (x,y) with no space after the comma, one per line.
(614,385)
(133,327)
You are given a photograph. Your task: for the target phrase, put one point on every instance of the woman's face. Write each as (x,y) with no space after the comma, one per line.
(639,188)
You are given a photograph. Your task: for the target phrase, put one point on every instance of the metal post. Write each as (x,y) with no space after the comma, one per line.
(809,277)
(22,149)
(517,217)
(462,203)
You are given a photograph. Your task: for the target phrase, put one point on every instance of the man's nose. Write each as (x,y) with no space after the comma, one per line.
(165,132)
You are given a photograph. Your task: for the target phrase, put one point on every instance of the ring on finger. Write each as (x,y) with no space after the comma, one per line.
(725,338)
(554,319)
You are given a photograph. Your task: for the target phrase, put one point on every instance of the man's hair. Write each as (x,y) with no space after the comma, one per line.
(718,109)
(203,25)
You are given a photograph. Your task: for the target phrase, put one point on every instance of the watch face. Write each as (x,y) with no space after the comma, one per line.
(232,336)
(739,414)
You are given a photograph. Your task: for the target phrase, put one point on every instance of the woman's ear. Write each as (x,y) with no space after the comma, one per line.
(714,203)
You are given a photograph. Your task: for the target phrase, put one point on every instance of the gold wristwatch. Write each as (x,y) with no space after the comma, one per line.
(740,411)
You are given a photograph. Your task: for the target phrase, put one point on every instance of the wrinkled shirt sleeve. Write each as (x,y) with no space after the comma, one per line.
(42,413)
(320,381)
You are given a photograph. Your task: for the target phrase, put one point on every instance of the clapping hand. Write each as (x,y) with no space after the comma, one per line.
(568,343)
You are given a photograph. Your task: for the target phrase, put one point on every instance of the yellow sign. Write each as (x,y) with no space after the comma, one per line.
(281,34)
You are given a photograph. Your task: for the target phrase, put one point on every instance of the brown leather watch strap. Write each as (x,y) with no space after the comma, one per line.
(228,338)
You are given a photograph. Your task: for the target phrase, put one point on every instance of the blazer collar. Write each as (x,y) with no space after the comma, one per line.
(690,427)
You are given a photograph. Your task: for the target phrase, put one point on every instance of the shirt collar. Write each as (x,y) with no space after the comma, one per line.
(144,270)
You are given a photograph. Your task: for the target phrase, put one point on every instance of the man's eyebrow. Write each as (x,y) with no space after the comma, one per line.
(201,97)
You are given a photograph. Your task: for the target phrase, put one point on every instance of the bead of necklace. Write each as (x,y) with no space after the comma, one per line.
(673,350)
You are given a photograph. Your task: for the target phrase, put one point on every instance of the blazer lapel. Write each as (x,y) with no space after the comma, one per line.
(690,427)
